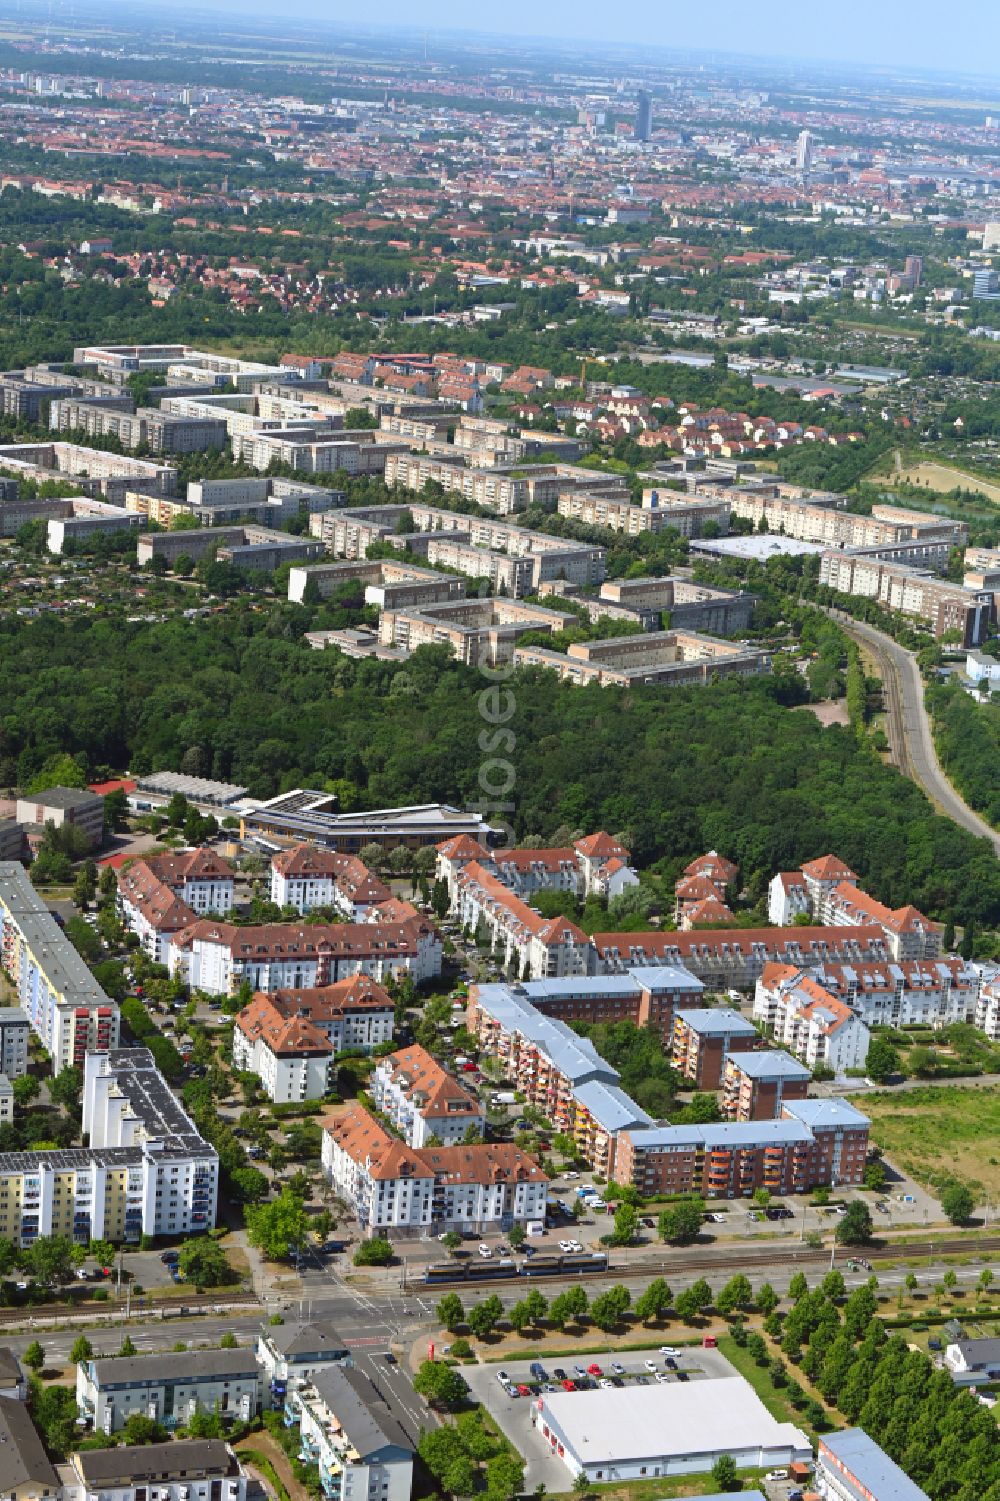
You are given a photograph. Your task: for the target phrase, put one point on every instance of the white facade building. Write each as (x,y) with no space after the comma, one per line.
(168,1387)
(390,1186)
(351,1433)
(422,1100)
(65,1007)
(306,878)
(184,1470)
(817,1027)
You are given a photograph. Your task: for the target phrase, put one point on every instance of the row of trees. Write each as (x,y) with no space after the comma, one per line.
(938,1433)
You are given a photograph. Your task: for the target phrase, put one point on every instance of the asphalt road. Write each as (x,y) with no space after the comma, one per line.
(909,728)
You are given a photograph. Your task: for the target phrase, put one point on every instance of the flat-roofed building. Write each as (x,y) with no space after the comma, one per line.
(478,631)
(670,658)
(64,805)
(65,1007)
(913,591)
(665,1429)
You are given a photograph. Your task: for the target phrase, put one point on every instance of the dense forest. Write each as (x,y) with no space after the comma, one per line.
(240,697)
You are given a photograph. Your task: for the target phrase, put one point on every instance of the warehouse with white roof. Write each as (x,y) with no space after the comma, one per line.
(667,1429)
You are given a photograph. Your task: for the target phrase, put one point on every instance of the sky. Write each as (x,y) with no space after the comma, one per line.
(963,37)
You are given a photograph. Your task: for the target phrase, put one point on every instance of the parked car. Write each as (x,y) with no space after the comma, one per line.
(617,1369)
(485,1252)
(503,1378)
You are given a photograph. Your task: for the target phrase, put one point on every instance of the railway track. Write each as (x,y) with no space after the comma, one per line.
(197,1303)
(742,1258)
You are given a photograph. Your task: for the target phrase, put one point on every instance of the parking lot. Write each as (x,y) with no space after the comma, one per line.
(512,1408)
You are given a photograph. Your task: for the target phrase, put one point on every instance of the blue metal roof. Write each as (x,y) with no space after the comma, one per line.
(865,1470)
(717,1021)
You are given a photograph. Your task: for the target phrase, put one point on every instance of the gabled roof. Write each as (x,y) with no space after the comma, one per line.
(828,868)
(285,1036)
(433,1091)
(463,847)
(600,846)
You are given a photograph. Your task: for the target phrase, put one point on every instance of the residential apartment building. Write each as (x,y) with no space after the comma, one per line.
(813,1144)
(385,582)
(595,865)
(828,890)
(292,1058)
(65,805)
(26,1473)
(480,632)
(354,1015)
(908,933)
(146,1171)
(824,518)
(660,509)
(305,877)
(65,1007)
(703,1039)
(291,1354)
(173,1173)
(645,997)
(803,1015)
(347,534)
(85,517)
(914,992)
(254,548)
(556,1070)
(517,934)
(673,659)
(850,1466)
(94,471)
(150,428)
(423,1101)
(347,1428)
(168,1387)
(219,958)
(160,895)
(690,606)
(755,1086)
(736,957)
(901,587)
(987,1016)
(184,1470)
(392,1187)
(14,1031)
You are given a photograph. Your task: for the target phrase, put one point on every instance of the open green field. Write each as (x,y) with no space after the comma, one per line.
(933,476)
(941,1133)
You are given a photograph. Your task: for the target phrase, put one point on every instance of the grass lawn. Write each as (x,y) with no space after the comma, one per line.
(669,1486)
(936,476)
(941,1133)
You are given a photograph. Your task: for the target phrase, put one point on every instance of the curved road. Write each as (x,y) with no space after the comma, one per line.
(909,727)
